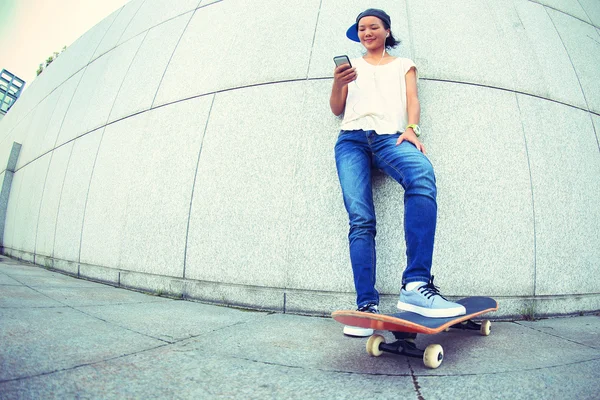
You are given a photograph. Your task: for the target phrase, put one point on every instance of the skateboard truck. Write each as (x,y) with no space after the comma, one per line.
(484,327)
(405,345)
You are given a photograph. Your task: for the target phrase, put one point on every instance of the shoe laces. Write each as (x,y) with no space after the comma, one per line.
(429,290)
(369,308)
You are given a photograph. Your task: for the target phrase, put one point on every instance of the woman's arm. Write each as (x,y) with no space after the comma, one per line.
(413,108)
(412,98)
(342,76)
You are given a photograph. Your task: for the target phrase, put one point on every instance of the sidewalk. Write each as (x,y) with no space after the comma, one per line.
(62,337)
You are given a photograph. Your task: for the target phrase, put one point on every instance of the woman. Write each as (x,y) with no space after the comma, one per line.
(380,129)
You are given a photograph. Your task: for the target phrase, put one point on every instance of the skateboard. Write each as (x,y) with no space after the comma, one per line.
(406,325)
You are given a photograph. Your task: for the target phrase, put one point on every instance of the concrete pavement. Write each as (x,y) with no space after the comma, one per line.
(62,337)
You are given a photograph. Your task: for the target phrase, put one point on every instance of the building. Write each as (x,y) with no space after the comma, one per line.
(11,87)
(186,148)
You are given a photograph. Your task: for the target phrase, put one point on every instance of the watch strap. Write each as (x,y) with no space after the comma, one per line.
(416,129)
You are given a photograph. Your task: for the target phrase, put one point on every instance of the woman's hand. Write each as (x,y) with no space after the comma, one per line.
(410,136)
(343,75)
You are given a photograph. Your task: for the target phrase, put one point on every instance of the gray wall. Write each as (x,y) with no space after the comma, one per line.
(187,148)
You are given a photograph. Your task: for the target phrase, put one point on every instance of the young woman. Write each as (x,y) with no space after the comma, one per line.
(380,130)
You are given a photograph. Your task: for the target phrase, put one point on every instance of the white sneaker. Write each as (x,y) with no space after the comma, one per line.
(426,300)
(357,331)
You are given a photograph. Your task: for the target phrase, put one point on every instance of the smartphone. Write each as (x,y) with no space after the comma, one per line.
(341,60)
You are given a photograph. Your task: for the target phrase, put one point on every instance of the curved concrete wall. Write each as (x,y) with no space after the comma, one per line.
(187,148)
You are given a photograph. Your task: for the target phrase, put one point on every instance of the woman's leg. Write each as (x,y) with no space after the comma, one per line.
(407,165)
(353,161)
(413,170)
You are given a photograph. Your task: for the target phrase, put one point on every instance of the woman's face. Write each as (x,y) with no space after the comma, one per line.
(371,32)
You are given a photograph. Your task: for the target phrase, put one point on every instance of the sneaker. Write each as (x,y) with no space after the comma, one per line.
(357,331)
(426,300)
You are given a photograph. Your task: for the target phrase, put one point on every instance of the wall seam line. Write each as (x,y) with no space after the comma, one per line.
(171,58)
(129,23)
(413,54)
(313,39)
(85,204)
(532,198)
(564,12)
(187,231)
(577,75)
(60,201)
(123,81)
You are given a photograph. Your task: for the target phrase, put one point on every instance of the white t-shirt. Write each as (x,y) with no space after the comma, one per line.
(377,98)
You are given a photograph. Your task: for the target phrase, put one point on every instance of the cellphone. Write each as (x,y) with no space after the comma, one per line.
(341,60)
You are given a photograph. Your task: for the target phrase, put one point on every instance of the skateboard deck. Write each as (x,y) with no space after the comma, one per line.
(410,322)
(406,325)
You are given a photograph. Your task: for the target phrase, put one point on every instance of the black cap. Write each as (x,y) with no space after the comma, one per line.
(352,32)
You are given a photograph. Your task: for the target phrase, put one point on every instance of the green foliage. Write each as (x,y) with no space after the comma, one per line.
(528,312)
(48,61)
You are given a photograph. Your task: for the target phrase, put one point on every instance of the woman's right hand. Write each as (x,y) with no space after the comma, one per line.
(343,75)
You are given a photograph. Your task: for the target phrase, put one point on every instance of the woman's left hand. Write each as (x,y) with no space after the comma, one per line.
(410,136)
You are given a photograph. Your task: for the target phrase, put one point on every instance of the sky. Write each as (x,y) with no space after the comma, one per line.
(32,30)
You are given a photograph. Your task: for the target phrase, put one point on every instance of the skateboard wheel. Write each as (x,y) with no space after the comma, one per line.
(373,345)
(433,356)
(486,327)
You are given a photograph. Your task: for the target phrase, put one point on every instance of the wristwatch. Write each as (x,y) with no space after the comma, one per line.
(415,129)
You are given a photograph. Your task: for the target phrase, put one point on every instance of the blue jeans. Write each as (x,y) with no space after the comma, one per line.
(356,154)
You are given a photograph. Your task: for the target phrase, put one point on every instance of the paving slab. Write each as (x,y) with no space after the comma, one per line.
(573,381)
(94,296)
(583,330)
(21,296)
(170,320)
(39,277)
(6,280)
(43,341)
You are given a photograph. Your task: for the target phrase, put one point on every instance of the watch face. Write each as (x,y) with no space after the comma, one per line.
(417,130)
